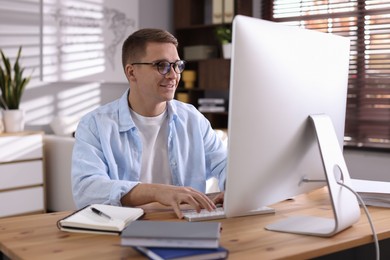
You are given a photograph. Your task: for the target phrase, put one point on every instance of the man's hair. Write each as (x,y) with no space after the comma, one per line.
(134,47)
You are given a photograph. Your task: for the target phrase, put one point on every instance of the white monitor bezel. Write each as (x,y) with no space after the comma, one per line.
(280,75)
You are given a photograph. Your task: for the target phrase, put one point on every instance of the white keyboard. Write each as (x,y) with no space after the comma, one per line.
(219,213)
(192,215)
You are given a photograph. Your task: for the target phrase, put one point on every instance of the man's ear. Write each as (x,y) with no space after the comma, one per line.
(129,71)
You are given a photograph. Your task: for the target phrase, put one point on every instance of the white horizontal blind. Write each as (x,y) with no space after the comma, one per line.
(67,40)
(367,25)
(73,44)
(82,39)
(20,26)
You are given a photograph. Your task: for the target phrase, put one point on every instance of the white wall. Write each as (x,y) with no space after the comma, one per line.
(156,14)
(368,165)
(361,164)
(45,101)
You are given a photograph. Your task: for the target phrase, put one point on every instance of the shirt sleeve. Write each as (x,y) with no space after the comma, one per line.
(216,155)
(96,179)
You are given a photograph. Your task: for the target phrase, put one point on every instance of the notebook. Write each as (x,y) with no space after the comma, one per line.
(100,218)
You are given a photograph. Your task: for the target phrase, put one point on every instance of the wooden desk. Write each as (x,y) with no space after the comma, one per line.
(37,237)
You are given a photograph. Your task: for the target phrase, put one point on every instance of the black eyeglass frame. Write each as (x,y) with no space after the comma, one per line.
(176,66)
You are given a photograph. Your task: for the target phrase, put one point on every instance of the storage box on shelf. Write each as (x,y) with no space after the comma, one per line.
(22,178)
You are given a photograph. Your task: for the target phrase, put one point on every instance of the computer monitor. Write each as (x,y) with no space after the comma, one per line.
(280,76)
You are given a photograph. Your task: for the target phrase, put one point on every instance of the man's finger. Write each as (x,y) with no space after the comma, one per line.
(176,209)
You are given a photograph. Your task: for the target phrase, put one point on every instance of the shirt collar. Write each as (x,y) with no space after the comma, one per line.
(126,121)
(172,110)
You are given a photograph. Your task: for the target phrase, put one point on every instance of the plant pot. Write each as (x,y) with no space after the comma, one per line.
(13,120)
(227,50)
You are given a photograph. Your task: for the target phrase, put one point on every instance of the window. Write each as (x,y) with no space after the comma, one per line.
(20,26)
(367,25)
(68,40)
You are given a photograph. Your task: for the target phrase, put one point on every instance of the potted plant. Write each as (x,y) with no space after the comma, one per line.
(12,86)
(224,36)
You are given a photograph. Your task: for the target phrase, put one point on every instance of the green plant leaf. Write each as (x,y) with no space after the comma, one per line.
(223,34)
(12,82)
(3,104)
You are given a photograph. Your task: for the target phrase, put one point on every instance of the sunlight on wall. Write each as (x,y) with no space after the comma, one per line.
(79,100)
(72,103)
(39,110)
(19,26)
(19,147)
(69,49)
(82,39)
(73,43)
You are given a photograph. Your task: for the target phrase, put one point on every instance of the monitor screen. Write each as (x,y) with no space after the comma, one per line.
(280,75)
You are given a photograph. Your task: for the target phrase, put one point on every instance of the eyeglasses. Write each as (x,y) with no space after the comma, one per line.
(164,67)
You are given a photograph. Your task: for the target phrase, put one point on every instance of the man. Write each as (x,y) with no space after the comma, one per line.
(147,147)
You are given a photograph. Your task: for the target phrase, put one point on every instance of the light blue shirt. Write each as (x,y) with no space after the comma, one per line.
(106,161)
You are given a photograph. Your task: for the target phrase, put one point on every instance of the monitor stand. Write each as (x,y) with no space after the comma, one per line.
(345,206)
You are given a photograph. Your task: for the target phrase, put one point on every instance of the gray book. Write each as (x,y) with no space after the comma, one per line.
(171,234)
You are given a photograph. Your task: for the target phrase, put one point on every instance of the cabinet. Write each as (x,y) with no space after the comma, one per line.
(21,174)
(194,26)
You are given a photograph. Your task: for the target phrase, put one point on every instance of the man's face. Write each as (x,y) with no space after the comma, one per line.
(151,86)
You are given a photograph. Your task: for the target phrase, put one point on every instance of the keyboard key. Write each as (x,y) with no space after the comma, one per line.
(219,213)
(204,214)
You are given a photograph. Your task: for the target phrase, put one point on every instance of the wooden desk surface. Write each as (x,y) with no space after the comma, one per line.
(37,237)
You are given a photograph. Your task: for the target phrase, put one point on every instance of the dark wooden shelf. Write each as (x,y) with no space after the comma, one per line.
(217,119)
(202,26)
(193,27)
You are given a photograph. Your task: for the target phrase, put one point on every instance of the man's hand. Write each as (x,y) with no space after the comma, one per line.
(216,197)
(168,195)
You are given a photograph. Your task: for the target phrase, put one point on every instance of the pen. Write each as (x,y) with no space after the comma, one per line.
(98,212)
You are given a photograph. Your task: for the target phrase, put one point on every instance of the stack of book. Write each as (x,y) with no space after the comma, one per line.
(211,105)
(373,193)
(219,11)
(161,253)
(172,240)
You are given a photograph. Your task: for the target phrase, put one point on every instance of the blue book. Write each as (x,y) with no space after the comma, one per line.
(165,253)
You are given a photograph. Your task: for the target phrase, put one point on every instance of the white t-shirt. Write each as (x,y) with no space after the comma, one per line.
(154,135)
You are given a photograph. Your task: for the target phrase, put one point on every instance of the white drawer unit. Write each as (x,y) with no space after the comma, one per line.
(22,179)
(21,201)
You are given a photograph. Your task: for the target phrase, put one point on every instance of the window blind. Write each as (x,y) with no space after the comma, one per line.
(367,25)
(20,26)
(67,40)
